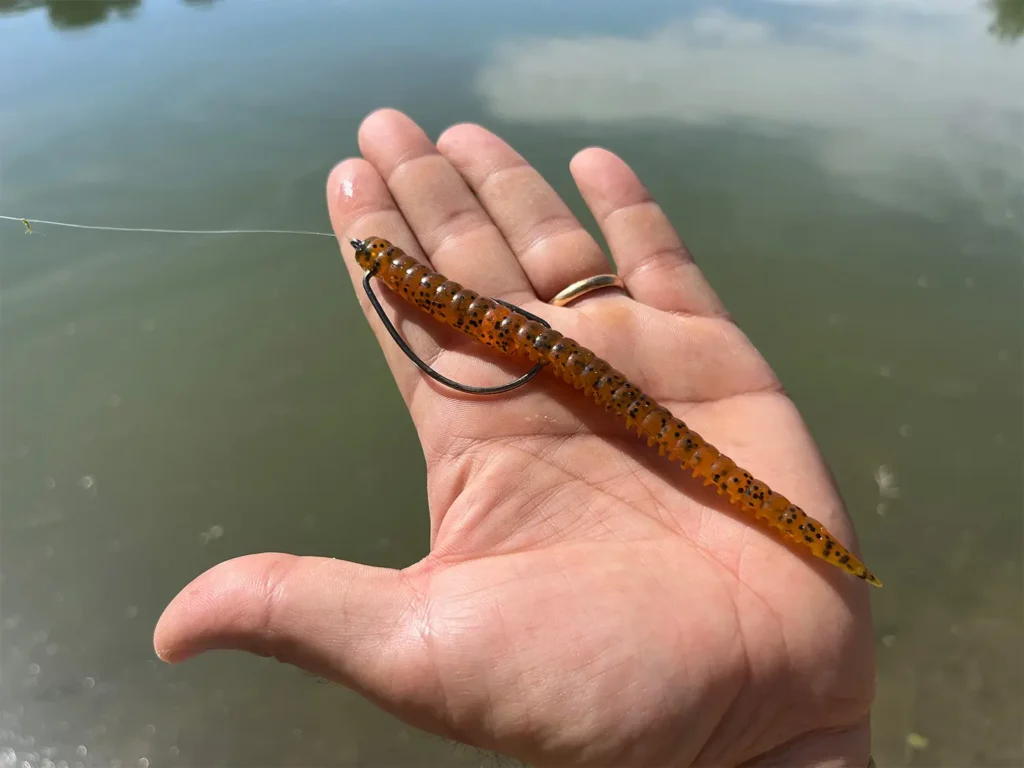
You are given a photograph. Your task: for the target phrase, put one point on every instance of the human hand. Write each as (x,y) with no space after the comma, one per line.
(583,602)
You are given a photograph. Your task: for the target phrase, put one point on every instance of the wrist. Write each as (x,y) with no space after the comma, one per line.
(838,748)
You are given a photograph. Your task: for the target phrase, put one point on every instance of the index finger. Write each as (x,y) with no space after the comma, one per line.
(361,206)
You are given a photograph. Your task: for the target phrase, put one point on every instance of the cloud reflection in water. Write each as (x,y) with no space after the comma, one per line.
(908,102)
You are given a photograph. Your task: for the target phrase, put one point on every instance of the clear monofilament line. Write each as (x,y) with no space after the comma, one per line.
(70,225)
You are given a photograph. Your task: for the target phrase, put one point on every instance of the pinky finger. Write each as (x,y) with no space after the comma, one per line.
(650,256)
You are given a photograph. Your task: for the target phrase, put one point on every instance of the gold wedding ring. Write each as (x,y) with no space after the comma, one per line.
(585,286)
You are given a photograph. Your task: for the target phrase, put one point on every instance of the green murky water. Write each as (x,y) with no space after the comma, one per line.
(849,175)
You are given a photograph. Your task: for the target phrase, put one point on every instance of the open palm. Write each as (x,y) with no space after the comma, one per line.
(584,601)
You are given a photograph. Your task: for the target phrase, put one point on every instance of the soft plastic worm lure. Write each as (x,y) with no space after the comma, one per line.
(517,332)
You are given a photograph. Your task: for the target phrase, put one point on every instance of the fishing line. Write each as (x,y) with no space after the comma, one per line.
(29,222)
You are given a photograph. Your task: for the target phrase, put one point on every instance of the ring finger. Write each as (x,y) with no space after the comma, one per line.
(653,261)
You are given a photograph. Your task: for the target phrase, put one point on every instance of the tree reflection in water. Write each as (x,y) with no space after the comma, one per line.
(1008,24)
(78,14)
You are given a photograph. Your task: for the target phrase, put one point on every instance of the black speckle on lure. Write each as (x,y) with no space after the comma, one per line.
(502,328)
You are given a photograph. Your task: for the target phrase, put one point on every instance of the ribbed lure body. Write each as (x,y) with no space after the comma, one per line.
(511,332)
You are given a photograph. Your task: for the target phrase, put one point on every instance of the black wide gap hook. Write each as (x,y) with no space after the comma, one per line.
(468,389)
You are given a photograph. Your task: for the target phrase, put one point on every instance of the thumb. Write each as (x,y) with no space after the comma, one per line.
(350,623)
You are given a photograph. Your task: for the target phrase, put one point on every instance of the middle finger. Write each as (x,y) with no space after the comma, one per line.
(552,246)
(449,222)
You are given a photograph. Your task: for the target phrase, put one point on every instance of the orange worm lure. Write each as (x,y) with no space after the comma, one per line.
(517,332)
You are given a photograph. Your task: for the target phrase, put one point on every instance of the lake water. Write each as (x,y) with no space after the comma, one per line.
(849,174)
